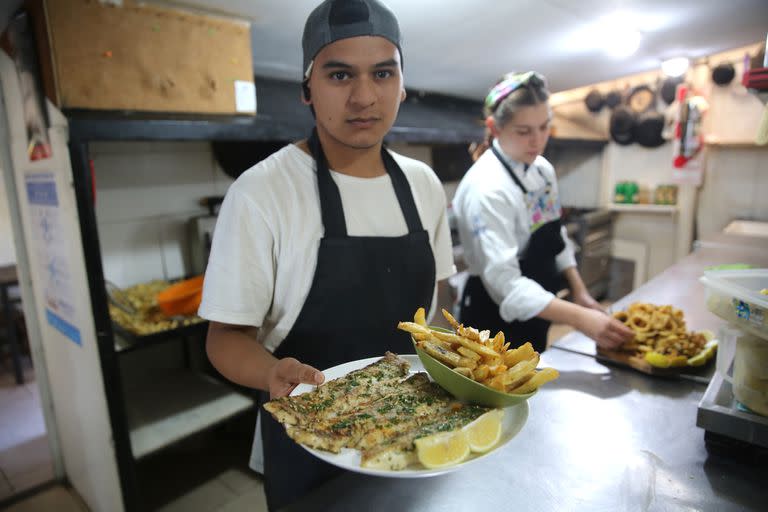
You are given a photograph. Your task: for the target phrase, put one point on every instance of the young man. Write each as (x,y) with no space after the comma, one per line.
(323,247)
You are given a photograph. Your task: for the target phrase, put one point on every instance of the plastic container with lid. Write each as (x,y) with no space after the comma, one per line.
(735,296)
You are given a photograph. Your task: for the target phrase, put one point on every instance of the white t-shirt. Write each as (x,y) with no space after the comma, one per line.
(495,227)
(268,231)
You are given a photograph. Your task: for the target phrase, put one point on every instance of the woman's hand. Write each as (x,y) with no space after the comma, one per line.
(584,299)
(607,332)
(288,373)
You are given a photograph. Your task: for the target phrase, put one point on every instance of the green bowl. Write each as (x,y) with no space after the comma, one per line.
(464,388)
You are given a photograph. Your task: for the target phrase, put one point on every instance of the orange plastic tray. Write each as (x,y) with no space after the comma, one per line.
(182,298)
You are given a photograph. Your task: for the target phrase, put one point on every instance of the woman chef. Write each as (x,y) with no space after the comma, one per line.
(509,223)
(322,248)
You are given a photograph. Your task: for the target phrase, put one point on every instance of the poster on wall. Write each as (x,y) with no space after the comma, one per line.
(19,42)
(51,249)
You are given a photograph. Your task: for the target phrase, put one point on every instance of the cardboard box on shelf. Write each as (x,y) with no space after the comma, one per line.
(143,58)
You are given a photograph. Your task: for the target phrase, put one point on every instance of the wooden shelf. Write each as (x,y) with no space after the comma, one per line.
(668,209)
(734,145)
(162,412)
(423,118)
(577,143)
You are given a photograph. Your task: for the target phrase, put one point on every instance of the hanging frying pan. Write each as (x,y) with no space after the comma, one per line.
(622,125)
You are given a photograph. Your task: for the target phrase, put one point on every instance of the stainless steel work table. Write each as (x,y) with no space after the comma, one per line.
(729,240)
(600,438)
(679,285)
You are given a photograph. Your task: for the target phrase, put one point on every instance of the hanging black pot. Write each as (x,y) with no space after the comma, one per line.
(613,99)
(723,74)
(669,89)
(622,125)
(648,129)
(594,101)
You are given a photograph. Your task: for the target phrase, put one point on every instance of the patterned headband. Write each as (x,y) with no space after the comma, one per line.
(509,84)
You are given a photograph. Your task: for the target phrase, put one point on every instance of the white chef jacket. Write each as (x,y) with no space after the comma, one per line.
(495,226)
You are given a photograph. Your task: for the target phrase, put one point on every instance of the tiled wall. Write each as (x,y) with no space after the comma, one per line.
(146,194)
(578,177)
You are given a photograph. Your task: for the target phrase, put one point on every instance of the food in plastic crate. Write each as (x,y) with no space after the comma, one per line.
(750,367)
(735,296)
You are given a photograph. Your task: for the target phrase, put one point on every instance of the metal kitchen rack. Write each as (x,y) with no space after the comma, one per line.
(130,341)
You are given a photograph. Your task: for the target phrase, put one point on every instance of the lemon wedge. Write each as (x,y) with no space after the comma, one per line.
(442,449)
(705,355)
(658,360)
(677,360)
(484,433)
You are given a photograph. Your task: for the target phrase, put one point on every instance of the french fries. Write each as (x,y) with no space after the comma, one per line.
(542,377)
(420,317)
(478,356)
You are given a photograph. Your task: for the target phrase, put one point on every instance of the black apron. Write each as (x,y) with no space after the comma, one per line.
(537,262)
(362,287)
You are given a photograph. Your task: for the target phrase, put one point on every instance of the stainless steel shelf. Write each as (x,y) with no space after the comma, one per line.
(718,413)
(162,412)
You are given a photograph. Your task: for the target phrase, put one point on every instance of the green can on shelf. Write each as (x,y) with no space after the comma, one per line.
(626,192)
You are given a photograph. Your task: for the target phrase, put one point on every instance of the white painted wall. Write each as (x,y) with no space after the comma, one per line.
(649,167)
(736,177)
(735,187)
(579,174)
(7,247)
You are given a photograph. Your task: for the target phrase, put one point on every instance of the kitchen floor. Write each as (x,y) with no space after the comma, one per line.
(220,483)
(25,460)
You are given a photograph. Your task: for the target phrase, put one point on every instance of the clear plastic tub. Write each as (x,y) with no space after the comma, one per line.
(734,295)
(749,378)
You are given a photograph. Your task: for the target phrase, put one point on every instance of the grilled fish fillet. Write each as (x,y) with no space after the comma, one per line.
(376,410)
(416,401)
(398,451)
(343,395)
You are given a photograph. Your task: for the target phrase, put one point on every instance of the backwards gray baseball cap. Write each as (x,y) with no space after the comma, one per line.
(340,19)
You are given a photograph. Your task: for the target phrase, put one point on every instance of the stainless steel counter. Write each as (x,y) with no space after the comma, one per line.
(679,285)
(600,438)
(730,240)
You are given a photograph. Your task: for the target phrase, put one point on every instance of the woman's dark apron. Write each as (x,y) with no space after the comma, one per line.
(362,287)
(537,262)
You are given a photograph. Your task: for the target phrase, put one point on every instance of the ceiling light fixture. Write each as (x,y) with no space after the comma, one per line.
(618,34)
(675,67)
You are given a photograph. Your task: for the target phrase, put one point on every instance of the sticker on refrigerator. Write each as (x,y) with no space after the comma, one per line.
(51,251)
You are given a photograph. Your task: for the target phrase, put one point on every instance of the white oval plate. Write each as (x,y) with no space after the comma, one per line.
(349,459)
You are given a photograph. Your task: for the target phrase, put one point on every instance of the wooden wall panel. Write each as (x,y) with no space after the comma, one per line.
(145,58)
